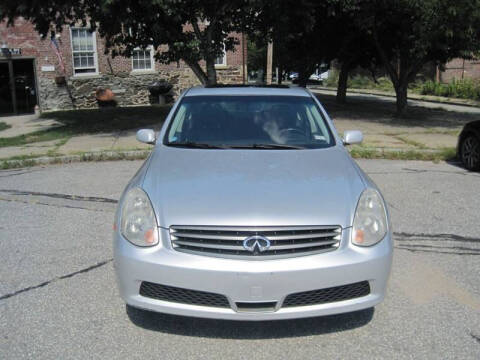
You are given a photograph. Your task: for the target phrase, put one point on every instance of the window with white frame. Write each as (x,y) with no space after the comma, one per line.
(221,60)
(84,49)
(142,59)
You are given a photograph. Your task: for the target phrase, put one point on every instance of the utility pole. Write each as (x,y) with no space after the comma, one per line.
(269,62)
(12,85)
(244,68)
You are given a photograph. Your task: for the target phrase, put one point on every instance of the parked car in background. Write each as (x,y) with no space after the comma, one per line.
(293,76)
(468,147)
(312,79)
(324,75)
(251,208)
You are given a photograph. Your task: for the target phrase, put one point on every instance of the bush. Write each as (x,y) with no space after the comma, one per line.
(462,89)
(332,80)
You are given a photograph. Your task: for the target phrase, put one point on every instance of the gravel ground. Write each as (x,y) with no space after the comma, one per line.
(58,297)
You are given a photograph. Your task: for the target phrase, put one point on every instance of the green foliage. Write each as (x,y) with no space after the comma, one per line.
(365,82)
(257,55)
(360,152)
(361,82)
(411,33)
(332,80)
(461,89)
(194,31)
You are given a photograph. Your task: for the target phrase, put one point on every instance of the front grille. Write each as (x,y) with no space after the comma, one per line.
(256,306)
(285,241)
(322,296)
(183,296)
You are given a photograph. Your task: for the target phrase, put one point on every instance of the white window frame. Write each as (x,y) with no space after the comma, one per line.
(152,60)
(95,57)
(224,59)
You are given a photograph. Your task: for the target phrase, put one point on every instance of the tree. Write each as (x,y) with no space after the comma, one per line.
(257,57)
(351,47)
(287,23)
(195,31)
(410,33)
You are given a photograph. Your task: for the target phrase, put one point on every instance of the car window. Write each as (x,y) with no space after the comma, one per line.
(247,121)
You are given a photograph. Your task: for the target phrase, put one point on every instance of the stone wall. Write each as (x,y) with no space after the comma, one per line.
(129,89)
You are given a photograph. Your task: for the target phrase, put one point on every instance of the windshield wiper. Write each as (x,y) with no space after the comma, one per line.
(268,146)
(191,144)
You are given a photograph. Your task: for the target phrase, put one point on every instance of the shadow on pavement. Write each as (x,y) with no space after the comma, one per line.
(378,110)
(227,329)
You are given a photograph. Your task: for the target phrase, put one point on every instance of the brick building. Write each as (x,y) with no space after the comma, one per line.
(461,69)
(31,71)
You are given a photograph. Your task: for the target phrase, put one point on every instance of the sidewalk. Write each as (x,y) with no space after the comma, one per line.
(426,131)
(24,124)
(115,141)
(411,96)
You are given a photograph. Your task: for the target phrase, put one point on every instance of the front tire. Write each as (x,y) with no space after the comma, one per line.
(470,152)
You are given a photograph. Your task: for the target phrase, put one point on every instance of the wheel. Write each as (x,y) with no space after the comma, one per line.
(470,152)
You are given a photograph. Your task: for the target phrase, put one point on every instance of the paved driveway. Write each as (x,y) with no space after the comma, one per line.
(58,297)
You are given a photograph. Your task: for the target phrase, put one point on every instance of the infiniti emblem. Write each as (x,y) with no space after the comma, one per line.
(256,243)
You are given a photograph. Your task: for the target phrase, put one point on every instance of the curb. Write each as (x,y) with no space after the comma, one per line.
(66,159)
(355,152)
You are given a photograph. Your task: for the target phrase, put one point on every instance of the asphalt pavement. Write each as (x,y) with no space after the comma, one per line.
(58,297)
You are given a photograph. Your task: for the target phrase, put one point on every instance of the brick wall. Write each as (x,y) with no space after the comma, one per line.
(459,68)
(23,35)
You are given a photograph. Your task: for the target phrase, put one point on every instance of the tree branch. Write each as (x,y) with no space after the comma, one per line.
(196,30)
(388,66)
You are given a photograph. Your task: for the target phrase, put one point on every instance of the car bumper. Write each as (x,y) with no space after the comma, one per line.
(243,281)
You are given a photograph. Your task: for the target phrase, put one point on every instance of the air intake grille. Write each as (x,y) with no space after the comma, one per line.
(281,242)
(183,296)
(322,296)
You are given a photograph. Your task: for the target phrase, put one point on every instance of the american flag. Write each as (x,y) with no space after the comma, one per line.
(56,49)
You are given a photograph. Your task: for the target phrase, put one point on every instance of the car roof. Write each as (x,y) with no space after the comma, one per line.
(273,90)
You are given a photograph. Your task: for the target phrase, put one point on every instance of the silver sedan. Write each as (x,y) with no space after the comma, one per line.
(250,208)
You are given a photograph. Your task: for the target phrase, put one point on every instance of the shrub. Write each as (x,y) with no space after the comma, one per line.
(366,82)
(462,89)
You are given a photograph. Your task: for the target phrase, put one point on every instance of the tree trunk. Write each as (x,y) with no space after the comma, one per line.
(401,92)
(342,83)
(211,72)
(280,74)
(198,71)
(303,79)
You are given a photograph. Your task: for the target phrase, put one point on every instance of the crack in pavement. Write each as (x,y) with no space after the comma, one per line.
(58,278)
(17,173)
(442,247)
(60,196)
(476,337)
(410,242)
(54,205)
(402,236)
(435,251)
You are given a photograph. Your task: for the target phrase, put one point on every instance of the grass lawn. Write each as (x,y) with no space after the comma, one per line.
(92,121)
(4,126)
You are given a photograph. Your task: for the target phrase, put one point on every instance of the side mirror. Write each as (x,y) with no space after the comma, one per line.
(351,137)
(146,136)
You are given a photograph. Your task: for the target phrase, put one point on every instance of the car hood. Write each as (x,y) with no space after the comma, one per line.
(252,187)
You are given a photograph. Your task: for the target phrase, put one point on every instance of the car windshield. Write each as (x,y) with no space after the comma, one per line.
(260,122)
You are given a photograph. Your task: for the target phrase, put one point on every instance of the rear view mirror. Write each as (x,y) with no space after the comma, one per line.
(351,137)
(146,136)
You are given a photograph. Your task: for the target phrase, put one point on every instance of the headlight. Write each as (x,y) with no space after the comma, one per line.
(370,221)
(138,224)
